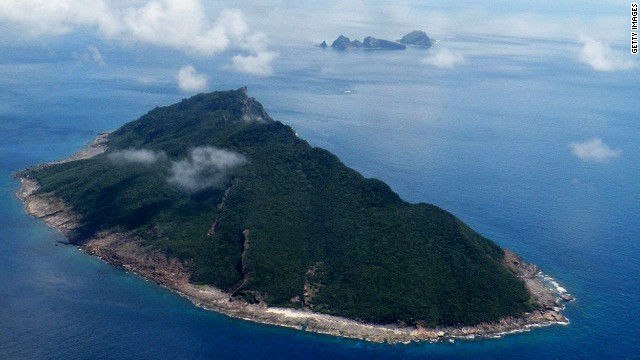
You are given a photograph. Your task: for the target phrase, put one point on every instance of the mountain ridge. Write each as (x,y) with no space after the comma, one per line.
(290,226)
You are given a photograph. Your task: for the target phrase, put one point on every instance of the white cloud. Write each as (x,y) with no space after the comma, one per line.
(256,42)
(205,167)
(189,80)
(444,58)
(133,156)
(258,64)
(90,54)
(182,24)
(41,17)
(601,57)
(177,24)
(594,150)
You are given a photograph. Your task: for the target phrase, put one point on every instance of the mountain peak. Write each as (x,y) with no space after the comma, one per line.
(237,102)
(199,117)
(417,38)
(252,110)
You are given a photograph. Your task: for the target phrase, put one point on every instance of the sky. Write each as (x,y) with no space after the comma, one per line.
(253,30)
(247,36)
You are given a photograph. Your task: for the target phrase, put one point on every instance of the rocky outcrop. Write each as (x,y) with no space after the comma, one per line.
(379,44)
(369,43)
(542,293)
(357,44)
(341,43)
(47,207)
(252,110)
(417,38)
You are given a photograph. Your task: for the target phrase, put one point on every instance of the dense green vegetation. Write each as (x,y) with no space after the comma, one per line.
(290,215)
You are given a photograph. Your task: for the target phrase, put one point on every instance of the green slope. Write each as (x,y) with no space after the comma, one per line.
(293,227)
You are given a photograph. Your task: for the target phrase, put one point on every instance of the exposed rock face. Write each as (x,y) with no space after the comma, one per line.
(566,297)
(342,43)
(417,38)
(539,292)
(380,44)
(47,207)
(323,45)
(252,111)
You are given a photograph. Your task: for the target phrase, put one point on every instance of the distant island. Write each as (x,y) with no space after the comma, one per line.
(214,199)
(415,38)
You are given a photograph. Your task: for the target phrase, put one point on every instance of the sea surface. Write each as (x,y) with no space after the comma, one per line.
(489,140)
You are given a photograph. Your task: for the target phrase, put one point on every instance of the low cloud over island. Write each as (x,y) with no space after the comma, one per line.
(204,167)
(137,156)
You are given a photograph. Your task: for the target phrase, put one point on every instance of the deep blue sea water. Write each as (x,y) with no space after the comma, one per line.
(488,141)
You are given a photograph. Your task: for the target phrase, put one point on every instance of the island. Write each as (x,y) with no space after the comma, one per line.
(217,201)
(415,38)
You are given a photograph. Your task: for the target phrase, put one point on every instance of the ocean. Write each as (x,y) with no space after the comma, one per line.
(492,140)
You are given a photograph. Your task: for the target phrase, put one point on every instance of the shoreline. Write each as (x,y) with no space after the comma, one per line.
(128,252)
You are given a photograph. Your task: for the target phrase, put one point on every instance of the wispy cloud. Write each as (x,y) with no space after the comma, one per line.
(258,64)
(444,58)
(89,54)
(189,80)
(601,57)
(205,167)
(137,156)
(594,150)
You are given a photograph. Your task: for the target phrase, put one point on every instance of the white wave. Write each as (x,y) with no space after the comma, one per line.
(552,284)
(559,288)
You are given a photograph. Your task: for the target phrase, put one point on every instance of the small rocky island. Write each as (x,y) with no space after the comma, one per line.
(415,38)
(214,199)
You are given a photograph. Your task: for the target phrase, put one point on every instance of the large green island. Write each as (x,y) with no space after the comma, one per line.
(214,199)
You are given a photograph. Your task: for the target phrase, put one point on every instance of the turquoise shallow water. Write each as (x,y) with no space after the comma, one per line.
(488,141)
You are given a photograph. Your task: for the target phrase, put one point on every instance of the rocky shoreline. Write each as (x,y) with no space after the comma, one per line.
(128,252)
